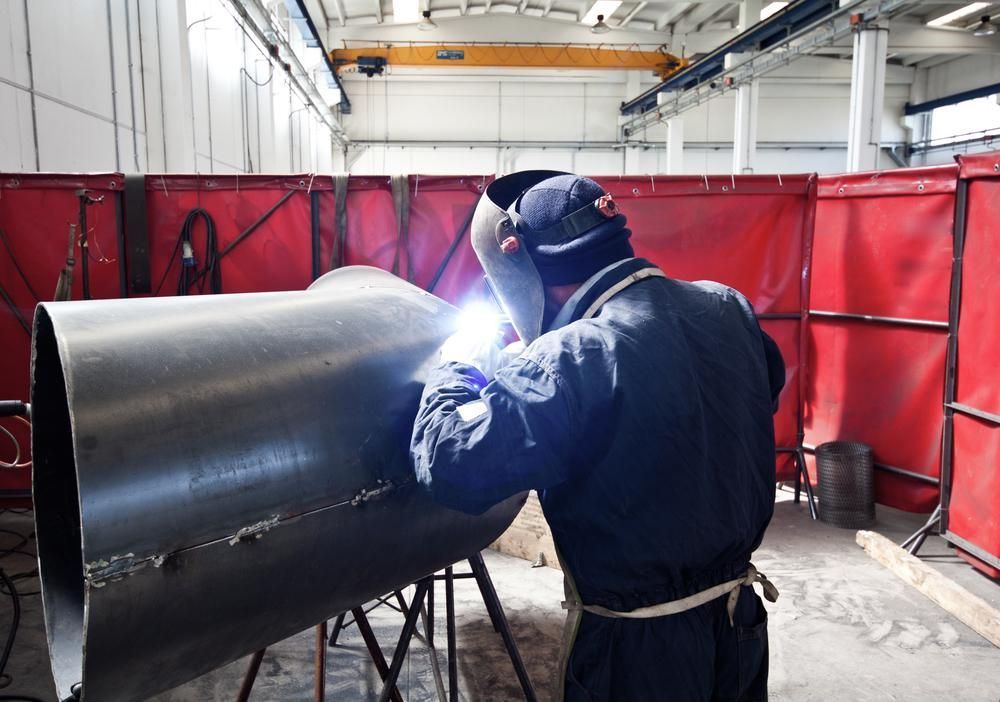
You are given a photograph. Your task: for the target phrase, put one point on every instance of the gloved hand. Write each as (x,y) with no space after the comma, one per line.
(512,351)
(476,348)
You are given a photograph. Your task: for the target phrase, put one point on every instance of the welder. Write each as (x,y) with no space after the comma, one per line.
(641,411)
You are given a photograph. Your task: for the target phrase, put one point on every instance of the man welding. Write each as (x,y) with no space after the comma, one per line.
(641,412)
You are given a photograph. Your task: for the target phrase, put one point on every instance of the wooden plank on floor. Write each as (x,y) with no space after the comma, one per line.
(529,535)
(971,610)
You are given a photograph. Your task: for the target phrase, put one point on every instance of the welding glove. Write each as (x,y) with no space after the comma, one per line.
(473,347)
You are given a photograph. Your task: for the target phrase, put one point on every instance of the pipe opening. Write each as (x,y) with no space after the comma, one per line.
(57,511)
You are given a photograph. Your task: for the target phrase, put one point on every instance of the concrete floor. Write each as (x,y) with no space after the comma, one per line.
(843,629)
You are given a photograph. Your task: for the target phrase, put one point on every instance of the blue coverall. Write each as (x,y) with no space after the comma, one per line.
(647,431)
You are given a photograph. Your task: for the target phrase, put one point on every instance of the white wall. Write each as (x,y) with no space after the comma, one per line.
(963,73)
(140,85)
(466,122)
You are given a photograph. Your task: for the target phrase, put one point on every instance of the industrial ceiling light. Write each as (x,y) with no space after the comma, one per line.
(985,28)
(957,14)
(426,24)
(600,27)
(600,10)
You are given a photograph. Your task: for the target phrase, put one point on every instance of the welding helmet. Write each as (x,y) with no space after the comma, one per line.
(527,237)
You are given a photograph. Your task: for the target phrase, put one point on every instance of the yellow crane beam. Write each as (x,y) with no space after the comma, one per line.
(371,59)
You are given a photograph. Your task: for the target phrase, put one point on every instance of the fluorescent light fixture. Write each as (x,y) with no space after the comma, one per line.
(427,24)
(405,11)
(957,14)
(600,7)
(601,27)
(771,8)
(985,28)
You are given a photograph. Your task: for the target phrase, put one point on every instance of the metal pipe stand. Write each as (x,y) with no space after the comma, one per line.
(422,605)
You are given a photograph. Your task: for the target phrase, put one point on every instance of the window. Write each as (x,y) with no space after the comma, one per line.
(966,120)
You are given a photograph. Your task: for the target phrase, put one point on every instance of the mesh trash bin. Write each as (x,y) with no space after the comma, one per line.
(846,484)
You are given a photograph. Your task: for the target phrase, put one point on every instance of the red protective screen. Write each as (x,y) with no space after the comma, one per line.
(883,244)
(883,247)
(880,385)
(974,511)
(974,508)
(440,213)
(707,235)
(979,328)
(276,256)
(698,228)
(36,211)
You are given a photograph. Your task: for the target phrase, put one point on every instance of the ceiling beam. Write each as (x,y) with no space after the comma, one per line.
(632,13)
(907,38)
(341,15)
(378,10)
(699,15)
(671,15)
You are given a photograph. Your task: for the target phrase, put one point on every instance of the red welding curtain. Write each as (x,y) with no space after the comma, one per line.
(440,213)
(883,247)
(750,232)
(695,228)
(276,256)
(974,510)
(36,211)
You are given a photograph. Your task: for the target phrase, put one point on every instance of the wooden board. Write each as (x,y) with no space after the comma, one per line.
(971,610)
(529,535)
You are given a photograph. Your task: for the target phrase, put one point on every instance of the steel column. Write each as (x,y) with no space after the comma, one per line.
(675,146)
(867,98)
(747,95)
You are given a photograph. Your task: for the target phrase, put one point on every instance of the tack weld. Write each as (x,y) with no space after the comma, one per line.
(366,495)
(254,531)
(100,572)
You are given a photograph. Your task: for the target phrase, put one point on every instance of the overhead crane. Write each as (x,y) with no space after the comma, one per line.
(373,59)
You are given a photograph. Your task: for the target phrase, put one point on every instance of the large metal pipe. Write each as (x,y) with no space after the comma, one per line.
(214,474)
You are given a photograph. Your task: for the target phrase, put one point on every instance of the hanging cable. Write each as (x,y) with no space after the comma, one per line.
(16,463)
(5,678)
(15,311)
(190,273)
(17,265)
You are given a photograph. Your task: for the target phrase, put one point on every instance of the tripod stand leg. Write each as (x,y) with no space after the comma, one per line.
(251,676)
(916,540)
(487,600)
(449,605)
(429,619)
(361,619)
(401,601)
(803,475)
(320,682)
(338,625)
(490,596)
(409,626)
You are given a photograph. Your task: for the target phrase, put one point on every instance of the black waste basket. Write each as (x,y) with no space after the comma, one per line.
(846,484)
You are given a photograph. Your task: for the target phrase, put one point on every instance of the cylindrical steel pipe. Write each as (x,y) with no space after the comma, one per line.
(213,474)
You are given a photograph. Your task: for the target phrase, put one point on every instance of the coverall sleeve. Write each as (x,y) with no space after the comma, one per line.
(515,434)
(775,368)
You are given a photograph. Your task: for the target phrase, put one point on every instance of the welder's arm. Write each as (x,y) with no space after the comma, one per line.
(775,368)
(474,449)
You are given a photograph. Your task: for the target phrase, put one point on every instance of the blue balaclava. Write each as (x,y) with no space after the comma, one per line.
(579,256)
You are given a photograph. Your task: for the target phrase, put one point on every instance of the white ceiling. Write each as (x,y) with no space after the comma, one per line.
(686,28)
